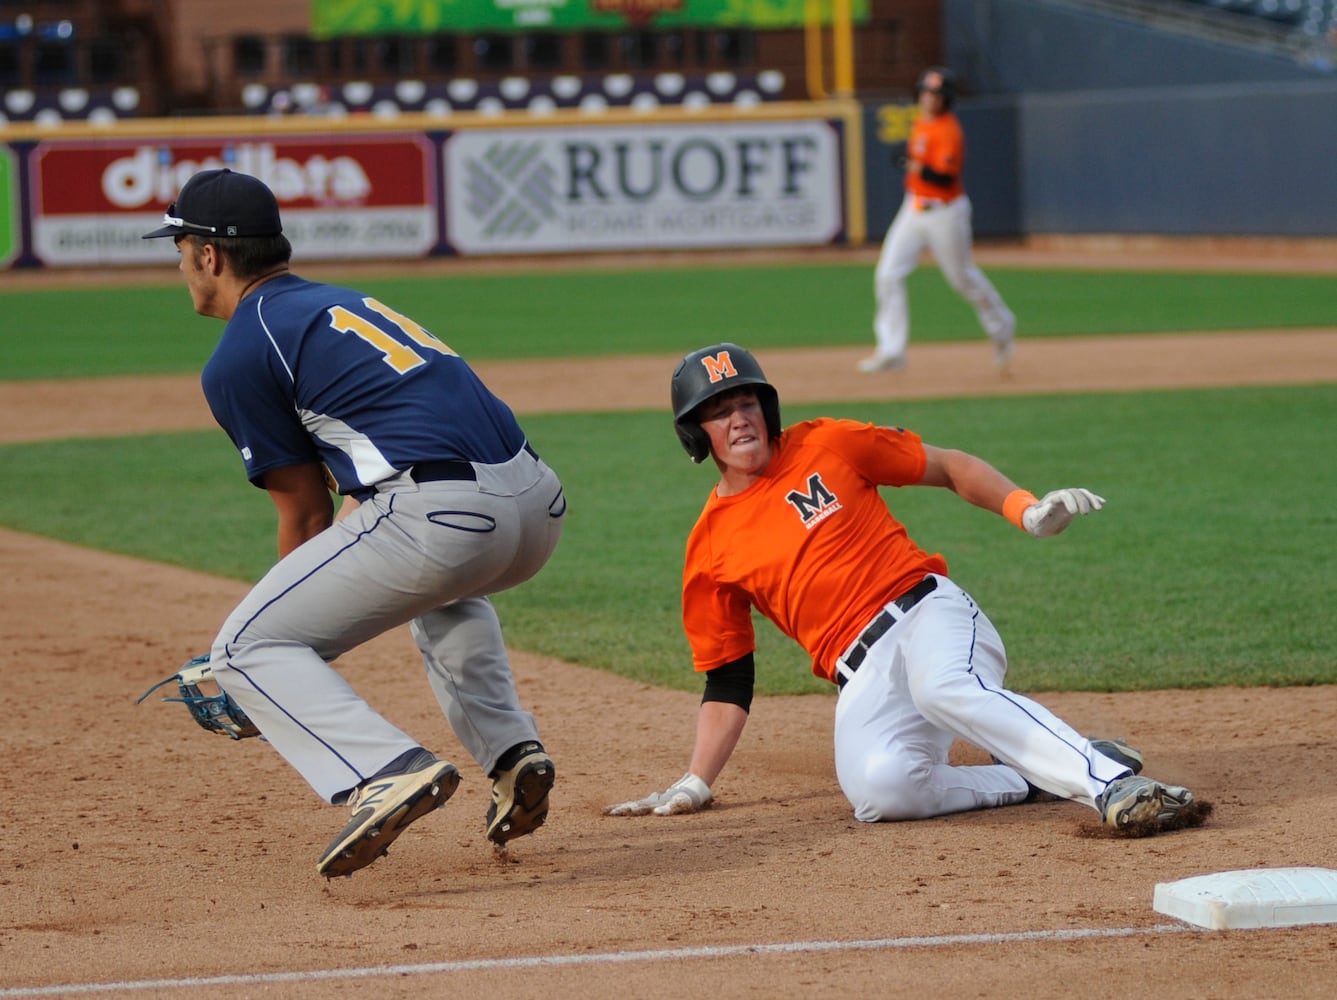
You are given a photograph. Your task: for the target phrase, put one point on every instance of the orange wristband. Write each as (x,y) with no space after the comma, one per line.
(1015,505)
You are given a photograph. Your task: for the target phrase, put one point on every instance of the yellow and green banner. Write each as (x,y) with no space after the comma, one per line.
(331,18)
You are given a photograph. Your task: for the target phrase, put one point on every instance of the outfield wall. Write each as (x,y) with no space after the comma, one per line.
(1256,159)
(1227,160)
(774,175)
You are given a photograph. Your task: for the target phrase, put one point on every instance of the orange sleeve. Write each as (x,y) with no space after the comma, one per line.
(717,618)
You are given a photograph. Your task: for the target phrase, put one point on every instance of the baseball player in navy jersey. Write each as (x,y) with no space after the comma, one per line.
(935,213)
(325,389)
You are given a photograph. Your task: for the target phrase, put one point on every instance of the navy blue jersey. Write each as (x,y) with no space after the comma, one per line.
(306,372)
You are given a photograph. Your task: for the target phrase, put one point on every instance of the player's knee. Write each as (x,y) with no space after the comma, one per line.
(887,791)
(957,283)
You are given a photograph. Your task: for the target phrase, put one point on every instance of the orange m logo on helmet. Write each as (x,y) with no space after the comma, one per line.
(719,367)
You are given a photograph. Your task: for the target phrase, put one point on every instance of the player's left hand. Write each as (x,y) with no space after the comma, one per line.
(688,794)
(1055,510)
(217,713)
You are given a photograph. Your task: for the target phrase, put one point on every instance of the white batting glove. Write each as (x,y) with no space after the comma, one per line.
(1055,510)
(686,795)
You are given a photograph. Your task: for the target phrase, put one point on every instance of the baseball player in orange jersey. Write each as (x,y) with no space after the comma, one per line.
(797,529)
(935,213)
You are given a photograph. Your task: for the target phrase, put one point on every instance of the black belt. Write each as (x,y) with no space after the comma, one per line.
(436,472)
(882,624)
(450,469)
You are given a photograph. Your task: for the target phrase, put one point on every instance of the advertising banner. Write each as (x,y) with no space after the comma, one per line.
(722,184)
(330,18)
(365,197)
(9,207)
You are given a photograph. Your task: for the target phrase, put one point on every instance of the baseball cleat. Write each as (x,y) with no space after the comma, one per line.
(1135,800)
(1119,752)
(882,363)
(383,808)
(520,796)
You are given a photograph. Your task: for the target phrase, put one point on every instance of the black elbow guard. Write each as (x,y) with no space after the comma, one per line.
(931,176)
(733,682)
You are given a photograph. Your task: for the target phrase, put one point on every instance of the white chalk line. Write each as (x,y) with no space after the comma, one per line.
(605,958)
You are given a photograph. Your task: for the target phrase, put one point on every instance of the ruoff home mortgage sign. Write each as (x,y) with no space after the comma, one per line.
(726,184)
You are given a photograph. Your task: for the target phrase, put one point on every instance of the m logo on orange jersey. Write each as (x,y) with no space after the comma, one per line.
(719,367)
(816,505)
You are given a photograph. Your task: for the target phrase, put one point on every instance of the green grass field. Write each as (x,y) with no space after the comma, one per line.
(1209,565)
(128,330)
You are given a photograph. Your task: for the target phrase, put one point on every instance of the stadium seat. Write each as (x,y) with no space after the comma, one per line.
(53,106)
(592,94)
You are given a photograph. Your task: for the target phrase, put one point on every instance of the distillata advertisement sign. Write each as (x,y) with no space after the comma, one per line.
(726,184)
(373,196)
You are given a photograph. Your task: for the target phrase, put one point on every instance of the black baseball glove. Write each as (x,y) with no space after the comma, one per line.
(217,713)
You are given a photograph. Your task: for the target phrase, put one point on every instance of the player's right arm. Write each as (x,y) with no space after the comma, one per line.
(303,503)
(719,725)
(718,728)
(718,623)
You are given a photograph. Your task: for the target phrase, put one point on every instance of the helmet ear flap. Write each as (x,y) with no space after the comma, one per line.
(694,439)
(770,408)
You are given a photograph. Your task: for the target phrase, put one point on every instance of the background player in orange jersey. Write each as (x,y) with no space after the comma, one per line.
(797,529)
(935,213)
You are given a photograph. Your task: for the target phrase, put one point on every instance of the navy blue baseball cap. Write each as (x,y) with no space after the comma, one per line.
(221,203)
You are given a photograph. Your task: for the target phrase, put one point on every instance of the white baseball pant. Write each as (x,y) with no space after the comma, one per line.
(945,229)
(936,675)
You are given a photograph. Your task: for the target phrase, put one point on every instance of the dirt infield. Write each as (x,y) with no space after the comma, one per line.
(39,410)
(150,857)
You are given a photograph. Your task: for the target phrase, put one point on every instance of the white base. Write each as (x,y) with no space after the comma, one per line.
(1256,897)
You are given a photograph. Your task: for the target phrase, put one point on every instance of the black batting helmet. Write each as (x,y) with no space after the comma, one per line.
(938,80)
(709,372)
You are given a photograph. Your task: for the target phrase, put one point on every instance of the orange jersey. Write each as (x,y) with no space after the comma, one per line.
(811,545)
(939,144)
